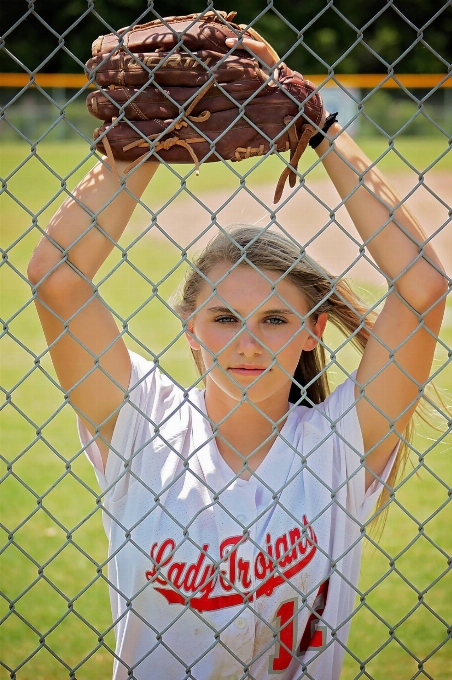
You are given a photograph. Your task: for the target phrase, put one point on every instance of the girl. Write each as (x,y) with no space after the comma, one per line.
(235,513)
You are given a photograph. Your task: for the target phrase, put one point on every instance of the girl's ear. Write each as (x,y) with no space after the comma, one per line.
(318,329)
(190,336)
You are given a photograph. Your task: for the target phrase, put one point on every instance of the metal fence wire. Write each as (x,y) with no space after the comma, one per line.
(56,572)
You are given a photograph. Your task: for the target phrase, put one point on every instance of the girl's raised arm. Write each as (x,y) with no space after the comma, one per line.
(90,357)
(398,356)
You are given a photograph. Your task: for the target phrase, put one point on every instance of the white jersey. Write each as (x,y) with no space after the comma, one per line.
(213,578)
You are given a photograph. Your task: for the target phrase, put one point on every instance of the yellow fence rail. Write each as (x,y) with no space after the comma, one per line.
(356,80)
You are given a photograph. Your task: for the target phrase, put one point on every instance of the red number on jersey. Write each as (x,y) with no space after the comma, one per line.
(286,618)
(286,623)
(314,636)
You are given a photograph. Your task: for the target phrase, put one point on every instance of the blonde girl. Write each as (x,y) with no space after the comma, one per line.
(235,513)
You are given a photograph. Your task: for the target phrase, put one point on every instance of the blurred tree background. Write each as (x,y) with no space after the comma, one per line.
(413,36)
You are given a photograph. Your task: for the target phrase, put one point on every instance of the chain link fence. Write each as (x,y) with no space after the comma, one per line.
(55,617)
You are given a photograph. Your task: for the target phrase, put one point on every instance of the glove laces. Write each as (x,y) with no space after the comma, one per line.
(165,144)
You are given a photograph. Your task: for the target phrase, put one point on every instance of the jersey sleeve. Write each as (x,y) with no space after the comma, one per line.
(341,413)
(151,396)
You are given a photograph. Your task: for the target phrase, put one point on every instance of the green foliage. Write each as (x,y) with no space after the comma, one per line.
(350,36)
(396,113)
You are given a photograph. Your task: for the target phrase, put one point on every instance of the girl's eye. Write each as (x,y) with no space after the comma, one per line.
(272,320)
(225,319)
(275,320)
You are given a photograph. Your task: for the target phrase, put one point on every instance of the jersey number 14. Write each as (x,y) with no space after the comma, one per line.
(314,636)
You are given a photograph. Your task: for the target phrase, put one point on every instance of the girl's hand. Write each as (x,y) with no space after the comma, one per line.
(262,50)
(266,54)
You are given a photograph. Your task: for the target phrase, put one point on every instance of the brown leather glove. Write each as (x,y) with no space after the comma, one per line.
(189,98)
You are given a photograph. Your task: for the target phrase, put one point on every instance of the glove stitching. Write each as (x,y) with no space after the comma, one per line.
(135,107)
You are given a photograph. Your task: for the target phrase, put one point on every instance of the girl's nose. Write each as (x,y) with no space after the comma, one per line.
(248,344)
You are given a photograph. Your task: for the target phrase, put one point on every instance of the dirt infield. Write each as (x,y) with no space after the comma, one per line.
(328,235)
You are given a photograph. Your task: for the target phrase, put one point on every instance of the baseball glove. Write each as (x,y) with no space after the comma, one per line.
(173,90)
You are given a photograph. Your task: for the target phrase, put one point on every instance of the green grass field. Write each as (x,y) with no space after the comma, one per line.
(53,559)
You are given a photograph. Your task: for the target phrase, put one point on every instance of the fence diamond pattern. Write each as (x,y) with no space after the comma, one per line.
(66,530)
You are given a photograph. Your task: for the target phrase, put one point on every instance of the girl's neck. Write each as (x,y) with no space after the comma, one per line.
(247,428)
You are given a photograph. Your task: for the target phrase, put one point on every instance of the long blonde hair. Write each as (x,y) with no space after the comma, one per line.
(268,250)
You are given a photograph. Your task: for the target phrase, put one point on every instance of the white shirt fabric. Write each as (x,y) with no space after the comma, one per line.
(216,579)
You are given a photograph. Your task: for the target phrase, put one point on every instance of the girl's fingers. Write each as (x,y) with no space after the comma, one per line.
(256,48)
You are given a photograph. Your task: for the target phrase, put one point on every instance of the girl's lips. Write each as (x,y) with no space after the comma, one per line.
(248,371)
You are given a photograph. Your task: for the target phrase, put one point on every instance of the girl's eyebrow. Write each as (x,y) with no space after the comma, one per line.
(228,310)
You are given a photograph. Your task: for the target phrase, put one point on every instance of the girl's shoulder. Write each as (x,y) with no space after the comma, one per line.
(330,429)
(157,396)
(337,409)
(149,380)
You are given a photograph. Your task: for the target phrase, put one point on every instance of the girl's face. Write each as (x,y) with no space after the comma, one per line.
(245,326)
